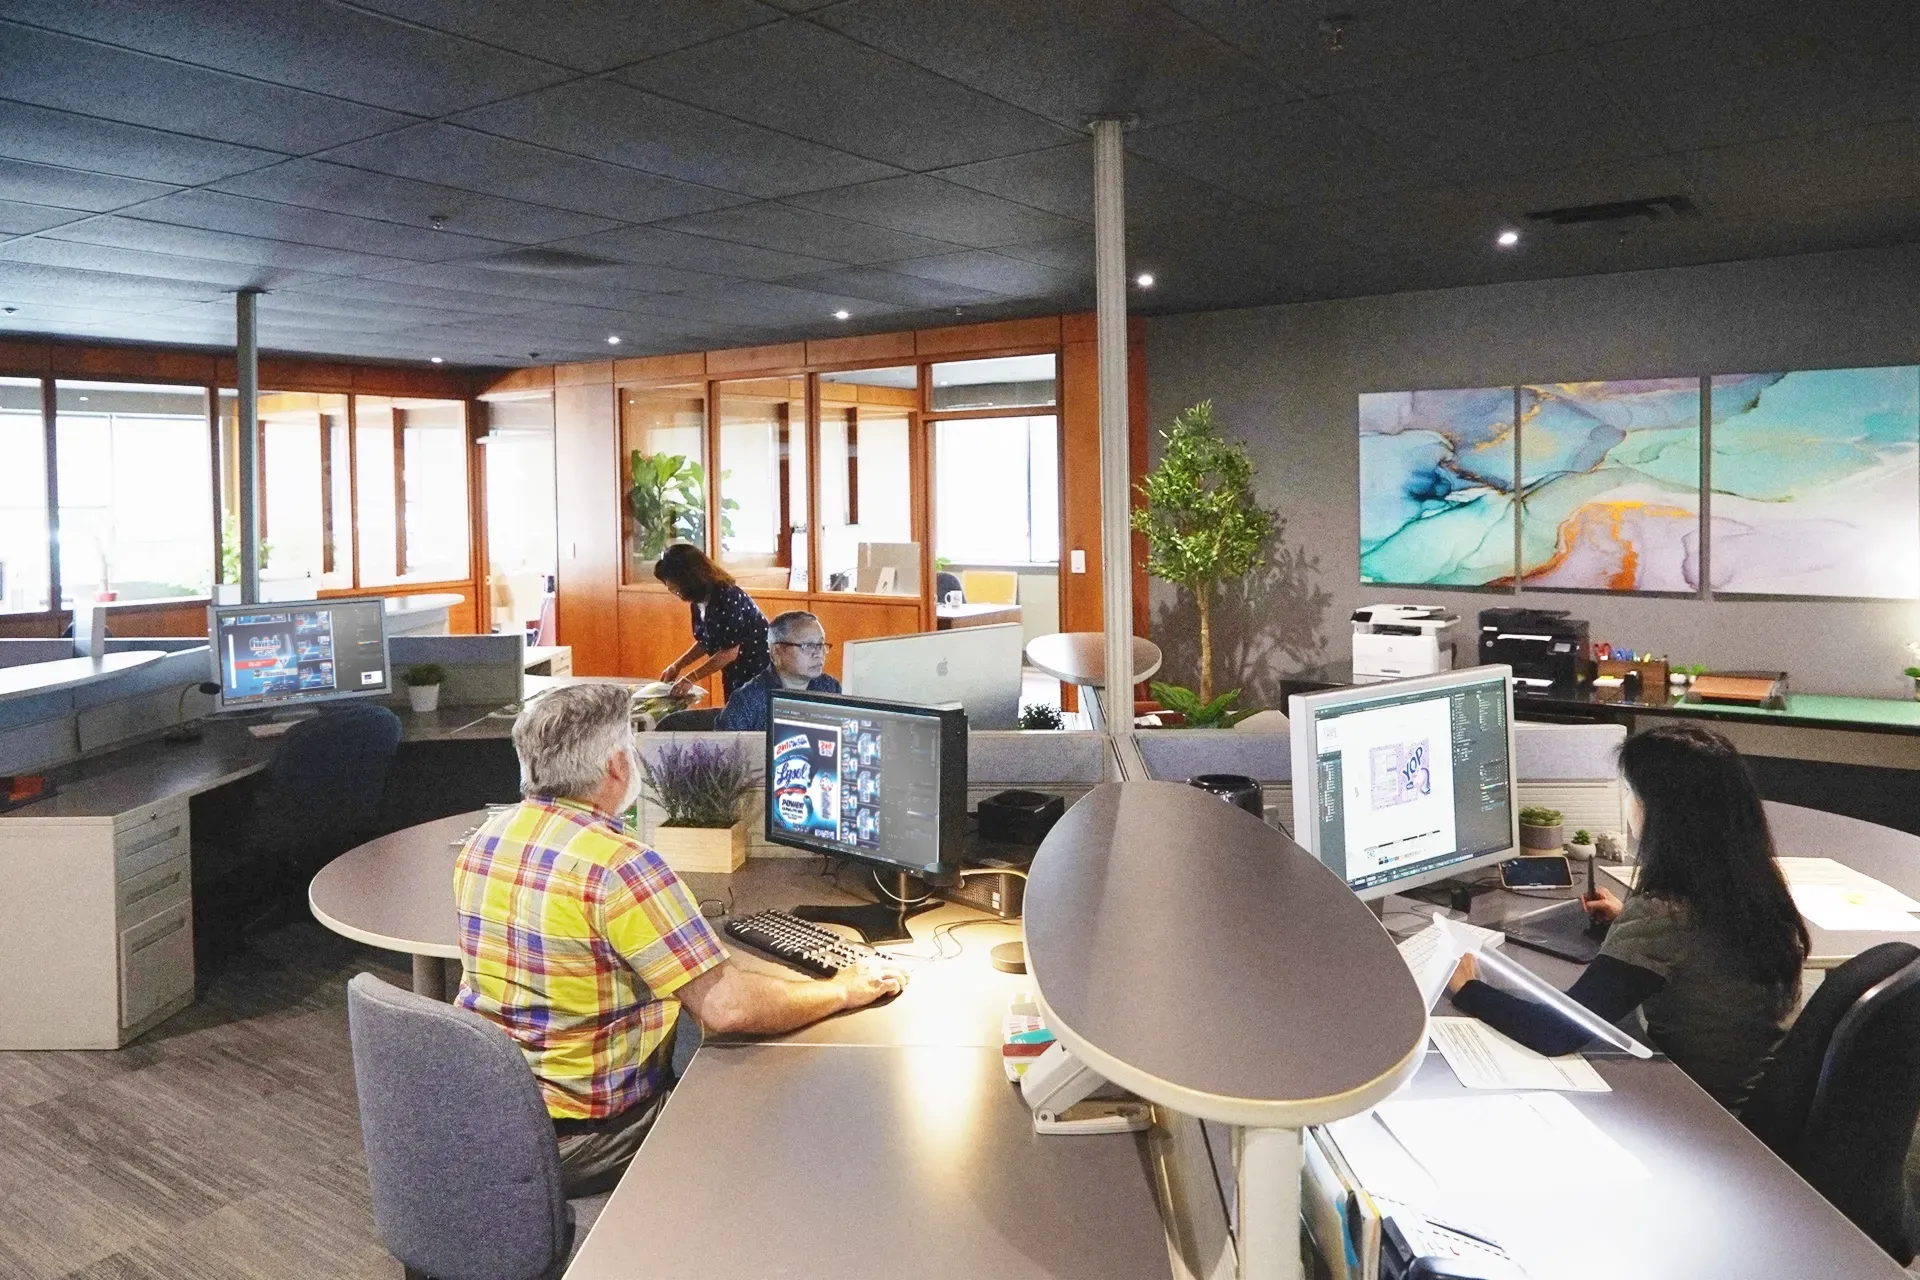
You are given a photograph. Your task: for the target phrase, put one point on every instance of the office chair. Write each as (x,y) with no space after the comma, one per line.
(461,1155)
(945,584)
(1841,1098)
(691,720)
(990,586)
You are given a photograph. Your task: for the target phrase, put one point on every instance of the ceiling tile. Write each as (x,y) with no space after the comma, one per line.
(1381,41)
(315,184)
(1060,180)
(590,35)
(1602,21)
(799,79)
(785,302)
(226,246)
(102,146)
(218,211)
(878,285)
(1066,59)
(1506,202)
(22,281)
(1551,112)
(1794,174)
(18,218)
(473,161)
(409,294)
(72,188)
(655,246)
(68,74)
(781,226)
(1071,252)
(926,206)
(332,49)
(623,125)
(470,278)
(137,262)
(1299,151)
(996,273)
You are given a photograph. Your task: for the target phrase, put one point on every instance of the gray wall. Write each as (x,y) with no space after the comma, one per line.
(1284,379)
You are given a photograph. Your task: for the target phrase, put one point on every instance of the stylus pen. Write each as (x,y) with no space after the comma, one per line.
(1591,890)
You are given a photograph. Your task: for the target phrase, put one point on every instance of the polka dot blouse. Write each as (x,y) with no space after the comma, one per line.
(732,618)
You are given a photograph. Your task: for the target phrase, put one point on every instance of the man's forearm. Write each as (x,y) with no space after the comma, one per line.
(755,1004)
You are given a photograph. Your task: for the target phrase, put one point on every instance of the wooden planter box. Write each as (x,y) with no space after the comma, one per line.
(702,849)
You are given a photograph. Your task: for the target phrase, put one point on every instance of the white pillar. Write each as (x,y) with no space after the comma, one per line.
(1267,1176)
(1116,539)
(247,417)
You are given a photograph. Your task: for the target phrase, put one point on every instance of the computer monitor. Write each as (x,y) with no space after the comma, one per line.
(977,667)
(881,783)
(301,651)
(1400,784)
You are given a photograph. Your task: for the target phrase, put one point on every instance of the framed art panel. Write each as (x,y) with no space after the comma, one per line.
(1437,487)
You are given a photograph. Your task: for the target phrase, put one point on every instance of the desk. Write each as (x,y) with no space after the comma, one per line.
(1080,658)
(33,679)
(947,616)
(396,893)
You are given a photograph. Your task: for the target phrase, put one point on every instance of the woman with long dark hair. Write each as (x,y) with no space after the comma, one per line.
(729,631)
(1708,945)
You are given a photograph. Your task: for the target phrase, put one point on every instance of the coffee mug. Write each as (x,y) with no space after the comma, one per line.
(956,597)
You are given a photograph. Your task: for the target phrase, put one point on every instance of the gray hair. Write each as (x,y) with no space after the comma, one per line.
(566,736)
(785,627)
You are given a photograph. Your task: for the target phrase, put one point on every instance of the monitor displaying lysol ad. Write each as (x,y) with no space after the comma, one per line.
(856,782)
(269,654)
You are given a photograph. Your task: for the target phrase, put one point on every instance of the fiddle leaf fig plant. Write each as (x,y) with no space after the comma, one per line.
(667,499)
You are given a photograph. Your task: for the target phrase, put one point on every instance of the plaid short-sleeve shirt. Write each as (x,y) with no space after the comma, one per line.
(573,938)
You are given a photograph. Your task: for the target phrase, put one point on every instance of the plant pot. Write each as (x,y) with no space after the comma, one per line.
(1916,688)
(226,593)
(1543,839)
(1581,852)
(702,849)
(423,697)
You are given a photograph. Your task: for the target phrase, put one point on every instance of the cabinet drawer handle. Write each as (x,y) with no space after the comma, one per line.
(149,843)
(152,889)
(178,924)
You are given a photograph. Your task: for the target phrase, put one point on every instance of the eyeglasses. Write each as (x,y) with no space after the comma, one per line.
(813,648)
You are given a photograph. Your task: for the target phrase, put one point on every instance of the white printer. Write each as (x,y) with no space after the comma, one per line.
(1391,641)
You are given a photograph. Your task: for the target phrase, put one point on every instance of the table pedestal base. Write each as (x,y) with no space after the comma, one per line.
(1267,1175)
(434,978)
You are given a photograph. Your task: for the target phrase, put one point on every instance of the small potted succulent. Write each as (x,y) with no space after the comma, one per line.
(1581,848)
(423,681)
(1913,673)
(1541,830)
(1042,715)
(699,787)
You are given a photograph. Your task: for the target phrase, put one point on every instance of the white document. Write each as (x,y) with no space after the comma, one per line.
(1514,1142)
(1433,953)
(1838,910)
(1802,872)
(1485,1059)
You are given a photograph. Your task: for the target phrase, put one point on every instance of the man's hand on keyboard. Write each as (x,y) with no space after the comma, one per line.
(871,980)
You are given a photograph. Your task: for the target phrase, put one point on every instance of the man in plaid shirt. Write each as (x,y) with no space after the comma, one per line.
(583,944)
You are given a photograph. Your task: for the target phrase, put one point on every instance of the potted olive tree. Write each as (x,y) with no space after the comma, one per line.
(423,681)
(699,787)
(1541,830)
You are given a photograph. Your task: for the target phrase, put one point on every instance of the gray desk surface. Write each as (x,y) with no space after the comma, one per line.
(1080,657)
(36,678)
(841,1162)
(1196,955)
(396,892)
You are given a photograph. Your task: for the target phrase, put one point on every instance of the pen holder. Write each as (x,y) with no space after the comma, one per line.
(1653,673)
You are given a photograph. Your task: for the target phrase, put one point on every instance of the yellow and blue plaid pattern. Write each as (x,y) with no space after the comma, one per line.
(573,938)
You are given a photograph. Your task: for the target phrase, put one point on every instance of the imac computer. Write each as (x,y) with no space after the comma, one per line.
(1400,784)
(977,667)
(881,783)
(267,656)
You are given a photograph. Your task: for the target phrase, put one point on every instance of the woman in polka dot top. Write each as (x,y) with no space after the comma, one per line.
(729,631)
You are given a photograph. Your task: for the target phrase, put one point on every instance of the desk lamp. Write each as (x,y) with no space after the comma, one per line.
(184,730)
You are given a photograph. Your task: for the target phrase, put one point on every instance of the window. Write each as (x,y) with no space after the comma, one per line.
(136,491)
(1004,383)
(663,481)
(305,492)
(411,470)
(521,532)
(866,475)
(763,481)
(997,490)
(23,498)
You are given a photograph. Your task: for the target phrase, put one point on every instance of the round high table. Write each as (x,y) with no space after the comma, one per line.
(396,893)
(1080,658)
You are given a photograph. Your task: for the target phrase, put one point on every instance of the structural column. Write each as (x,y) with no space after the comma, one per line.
(246,347)
(1110,307)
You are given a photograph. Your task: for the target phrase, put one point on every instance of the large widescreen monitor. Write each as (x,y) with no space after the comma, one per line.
(270,655)
(1400,784)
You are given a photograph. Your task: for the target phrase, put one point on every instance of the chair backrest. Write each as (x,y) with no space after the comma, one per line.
(944,582)
(692,720)
(1777,1109)
(1854,1147)
(322,791)
(460,1153)
(990,586)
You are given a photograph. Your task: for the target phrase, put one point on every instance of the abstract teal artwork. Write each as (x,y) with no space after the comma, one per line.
(1437,487)
(1610,485)
(1816,483)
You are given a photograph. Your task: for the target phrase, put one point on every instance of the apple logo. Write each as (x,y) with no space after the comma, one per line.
(942,668)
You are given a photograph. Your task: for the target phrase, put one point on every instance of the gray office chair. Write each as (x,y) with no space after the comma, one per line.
(691,720)
(460,1152)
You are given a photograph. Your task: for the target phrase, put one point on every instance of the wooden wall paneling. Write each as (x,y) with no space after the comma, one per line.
(1079,386)
(34,626)
(143,364)
(861,618)
(810,403)
(675,368)
(479,562)
(859,350)
(492,382)
(1137,465)
(25,359)
(654,630)
(592,373)
(586,464)
(786,355)
(182,617)
(1041,333)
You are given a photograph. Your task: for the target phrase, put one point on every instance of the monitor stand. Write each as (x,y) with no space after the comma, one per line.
(881,922)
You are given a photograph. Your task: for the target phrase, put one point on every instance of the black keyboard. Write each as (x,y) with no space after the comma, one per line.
(800,943)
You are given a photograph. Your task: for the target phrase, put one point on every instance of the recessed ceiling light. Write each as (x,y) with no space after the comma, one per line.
(1144,279)
(842,314)
(613,339)
(1507,239)
(437,359)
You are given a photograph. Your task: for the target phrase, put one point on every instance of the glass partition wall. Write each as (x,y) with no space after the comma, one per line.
(764,488)
(24,565)
(866,481)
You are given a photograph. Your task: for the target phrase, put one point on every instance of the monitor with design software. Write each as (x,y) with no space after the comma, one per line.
(1400,784)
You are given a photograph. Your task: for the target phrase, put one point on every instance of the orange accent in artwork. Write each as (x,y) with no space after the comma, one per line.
(1587,519)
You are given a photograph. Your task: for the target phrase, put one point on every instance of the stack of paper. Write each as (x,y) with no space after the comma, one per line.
(1516,1142)
(1485,1059)
(1840,899)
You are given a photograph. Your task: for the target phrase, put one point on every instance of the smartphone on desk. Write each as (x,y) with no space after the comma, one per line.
(1550,871)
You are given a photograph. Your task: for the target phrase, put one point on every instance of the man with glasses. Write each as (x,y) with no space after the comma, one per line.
(799,647)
